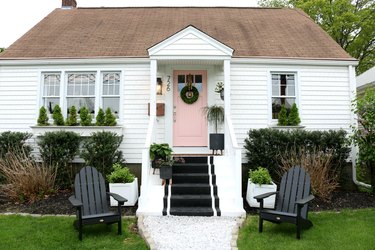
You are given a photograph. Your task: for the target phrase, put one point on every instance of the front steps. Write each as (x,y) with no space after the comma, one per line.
(193,191)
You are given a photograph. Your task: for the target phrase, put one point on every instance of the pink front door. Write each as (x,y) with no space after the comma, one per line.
(189,122)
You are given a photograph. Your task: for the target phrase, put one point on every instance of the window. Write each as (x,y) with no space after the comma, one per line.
(283,92)
(81,91)
(51,90)
(111,92)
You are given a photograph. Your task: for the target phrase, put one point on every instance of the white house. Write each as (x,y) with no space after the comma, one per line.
(113,57)
(366,80)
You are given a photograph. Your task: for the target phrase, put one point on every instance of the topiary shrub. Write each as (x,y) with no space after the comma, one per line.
(110,118)
(59,149)
(43,117)
(260,176)
(14,142)
(85,117)
(57,116)
(283,117)
(293,118)
(120,174)
(101,150)
(72,117)
(100,118)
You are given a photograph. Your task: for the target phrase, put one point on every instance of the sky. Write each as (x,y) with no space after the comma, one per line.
(19,16)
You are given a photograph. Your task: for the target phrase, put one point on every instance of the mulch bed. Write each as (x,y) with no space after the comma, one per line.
(58,204)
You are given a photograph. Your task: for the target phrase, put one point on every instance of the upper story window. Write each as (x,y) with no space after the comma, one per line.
(81,91)
(51,90)
(111,92)
(283,92)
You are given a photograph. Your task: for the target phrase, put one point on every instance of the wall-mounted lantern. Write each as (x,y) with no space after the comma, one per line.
(159,86)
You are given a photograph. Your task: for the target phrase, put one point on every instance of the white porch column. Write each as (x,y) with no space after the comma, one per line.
(227,141)
(153,72)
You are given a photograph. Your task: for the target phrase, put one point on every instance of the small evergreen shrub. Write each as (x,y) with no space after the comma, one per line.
(293,118)
(100,118)
(57,116)
(101,150)
(14,142)
(260,176)
(85,117)
(43,117)
(72,117)
(283,117)
(110,118)
(59,149)
(120,174)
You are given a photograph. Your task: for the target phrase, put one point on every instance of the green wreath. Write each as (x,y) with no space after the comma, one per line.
(185,95)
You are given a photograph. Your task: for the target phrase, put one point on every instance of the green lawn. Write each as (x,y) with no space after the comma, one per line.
(349,229)
(52,232)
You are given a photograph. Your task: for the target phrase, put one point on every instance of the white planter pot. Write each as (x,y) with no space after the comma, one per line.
(126,190)
(256,189)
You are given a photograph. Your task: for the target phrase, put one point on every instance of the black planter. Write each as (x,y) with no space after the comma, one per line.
(166,172)
(217,141)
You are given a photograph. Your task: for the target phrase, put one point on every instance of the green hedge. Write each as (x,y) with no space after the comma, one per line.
(15,142)
(264,145)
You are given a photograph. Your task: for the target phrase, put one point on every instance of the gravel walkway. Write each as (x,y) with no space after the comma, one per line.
(180,232)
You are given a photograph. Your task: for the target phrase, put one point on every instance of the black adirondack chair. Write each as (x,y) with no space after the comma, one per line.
(292,201)
(90,199)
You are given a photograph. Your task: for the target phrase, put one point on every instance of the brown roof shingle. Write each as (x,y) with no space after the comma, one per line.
(129,32)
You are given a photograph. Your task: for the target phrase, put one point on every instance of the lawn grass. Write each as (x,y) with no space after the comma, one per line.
(52,232)
(348,229)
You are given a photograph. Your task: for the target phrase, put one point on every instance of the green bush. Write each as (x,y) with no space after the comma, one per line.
(263,146)
(120,174)
(293,118)
(57,116)
(59,149)
(14,142)
(85,117)
(72,117)
(43,117)
(160,151)
(100,118)
(101,150)
(260,176)
(282,117)
(110,118)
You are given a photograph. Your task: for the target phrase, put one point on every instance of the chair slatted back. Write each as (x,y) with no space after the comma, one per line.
(89,188)
(295,185)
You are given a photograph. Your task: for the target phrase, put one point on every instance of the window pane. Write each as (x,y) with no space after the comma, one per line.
(276,105)
(50,103)
(181,78)
(198,78)
(290,83)
(111,83)
(81,84)
(80,102)
(113,103)
(51,84)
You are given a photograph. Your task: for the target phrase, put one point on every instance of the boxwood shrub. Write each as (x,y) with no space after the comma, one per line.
(263,146)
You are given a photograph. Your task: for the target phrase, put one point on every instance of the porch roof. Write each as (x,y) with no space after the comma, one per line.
(129,32)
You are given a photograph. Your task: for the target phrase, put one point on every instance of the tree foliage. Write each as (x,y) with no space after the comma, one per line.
(283,116)
(293,118)
(100,118)
(349,22)
(2,49)
(43,117)
(85,116)
(110,118)
(72,117)
(57,116)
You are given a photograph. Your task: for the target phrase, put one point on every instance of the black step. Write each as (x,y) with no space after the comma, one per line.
(192,188)
(190,168)
(191,178)
(191,201)
(192,211)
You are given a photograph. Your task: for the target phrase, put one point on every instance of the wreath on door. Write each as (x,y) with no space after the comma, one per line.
(189,94)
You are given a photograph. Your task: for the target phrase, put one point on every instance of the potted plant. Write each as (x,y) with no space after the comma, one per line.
(165,168)
(215,115)
(220,89)
(159,151)
(260,182)
(123,182)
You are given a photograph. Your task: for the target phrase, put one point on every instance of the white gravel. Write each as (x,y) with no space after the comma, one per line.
(180,232)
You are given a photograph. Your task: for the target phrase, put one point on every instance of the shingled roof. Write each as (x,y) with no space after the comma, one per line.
(129,32)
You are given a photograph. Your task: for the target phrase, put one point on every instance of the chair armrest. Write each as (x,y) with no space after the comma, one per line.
(302,202)
(75,202)
(118,198)
(263,196)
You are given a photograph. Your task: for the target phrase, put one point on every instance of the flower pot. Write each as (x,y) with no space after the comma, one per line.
(126,190)
(222,94)
(165,172)
(217,141)
(256,189)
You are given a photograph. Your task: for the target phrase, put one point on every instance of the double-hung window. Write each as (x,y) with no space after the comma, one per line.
(81,91)
(51,90)
(283,92)
(111,91)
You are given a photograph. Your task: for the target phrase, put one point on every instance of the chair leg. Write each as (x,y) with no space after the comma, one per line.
(260,224)
(119,227)
(80,230)
(298,229)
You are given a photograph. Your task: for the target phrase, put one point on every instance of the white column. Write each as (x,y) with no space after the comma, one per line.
(153,72)
(227,87)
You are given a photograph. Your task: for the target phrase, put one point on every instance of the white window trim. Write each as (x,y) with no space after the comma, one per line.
(296,73)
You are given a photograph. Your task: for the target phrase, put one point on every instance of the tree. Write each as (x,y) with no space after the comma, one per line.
(293,118)
(349,22)
(282,117)
(43,117)
(100,118)
(364,135)
(58,118)
(85,117)
(2,49)
(72,118)
(110,118)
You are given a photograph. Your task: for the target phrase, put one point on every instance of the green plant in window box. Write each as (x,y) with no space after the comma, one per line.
(43,117)
(85,117)
(110,118)
(100,118)
(293,118)
(72,117)
(58,118)
(120,174)
(260,176)
(283,116)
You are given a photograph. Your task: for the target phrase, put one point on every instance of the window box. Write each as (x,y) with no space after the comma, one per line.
(287,127)
(84,131)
